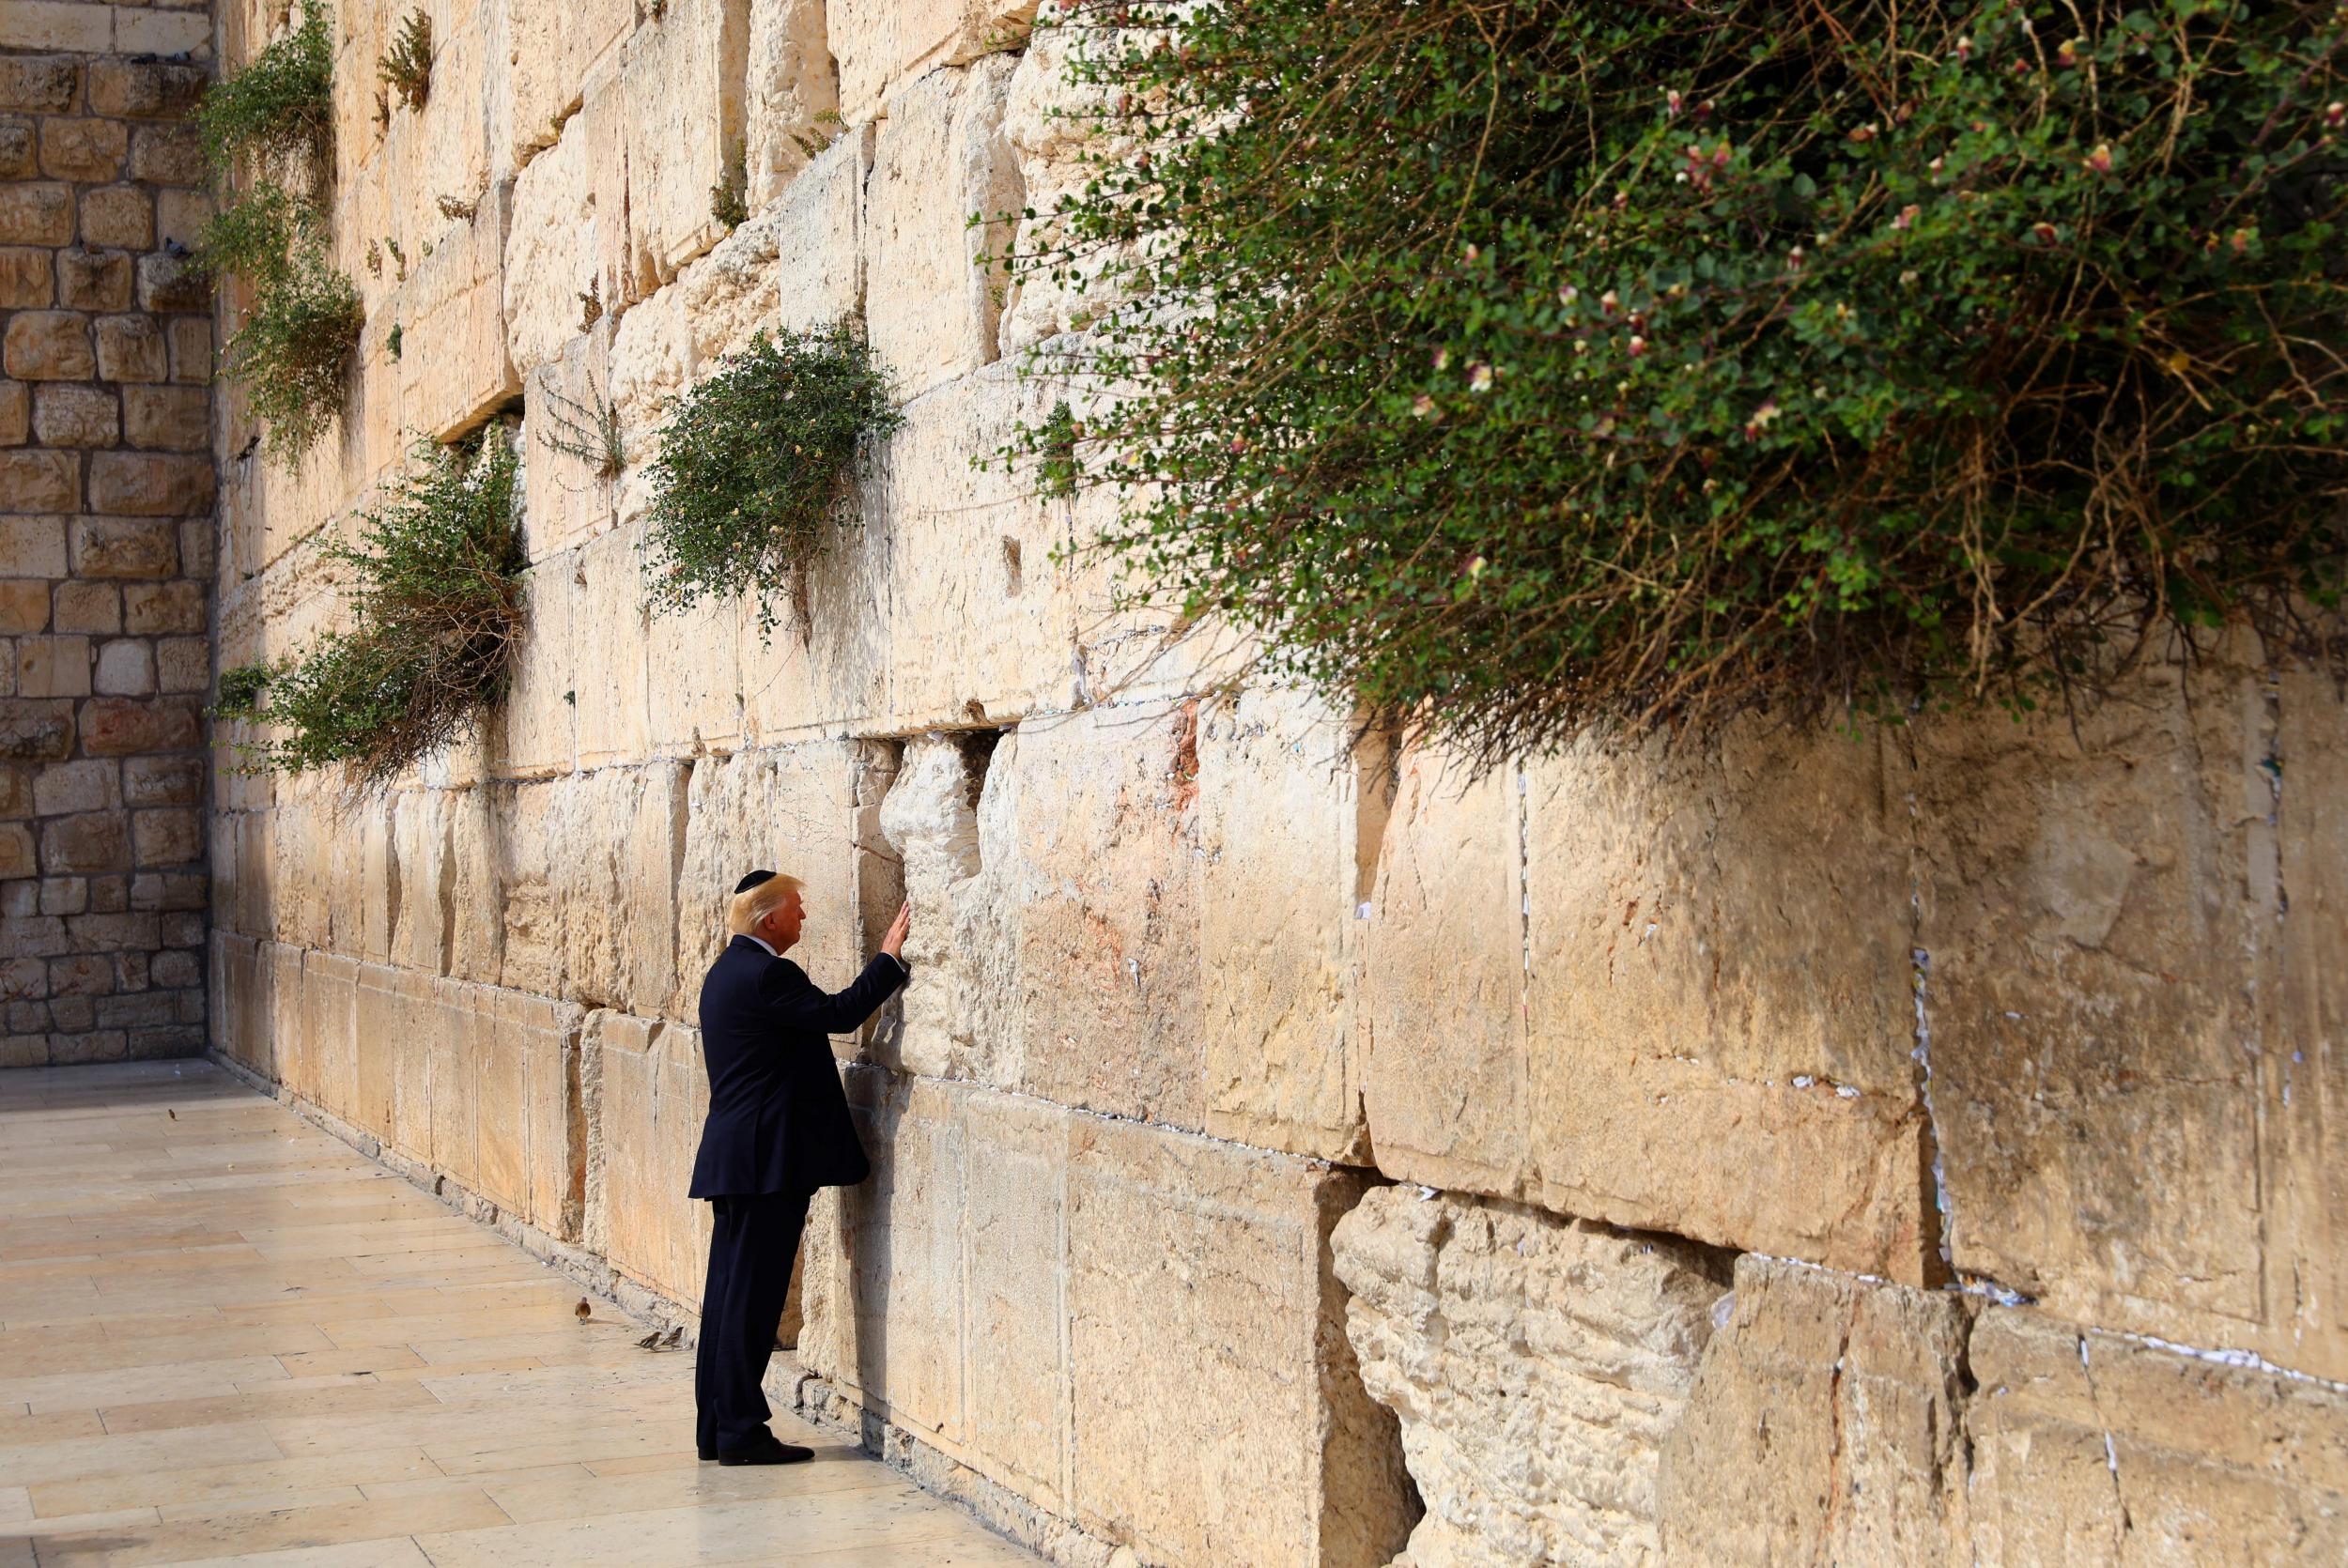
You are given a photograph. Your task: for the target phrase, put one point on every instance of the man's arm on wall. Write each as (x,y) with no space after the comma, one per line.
(794,1001)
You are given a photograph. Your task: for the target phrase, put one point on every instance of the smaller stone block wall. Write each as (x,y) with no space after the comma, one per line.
(105,536)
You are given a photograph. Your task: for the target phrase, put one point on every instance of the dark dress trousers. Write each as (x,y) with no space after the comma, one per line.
(778,1130)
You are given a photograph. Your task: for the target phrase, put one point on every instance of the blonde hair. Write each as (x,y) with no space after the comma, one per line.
(746,910)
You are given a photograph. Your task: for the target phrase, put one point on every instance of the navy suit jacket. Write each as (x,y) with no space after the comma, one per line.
(777,1117)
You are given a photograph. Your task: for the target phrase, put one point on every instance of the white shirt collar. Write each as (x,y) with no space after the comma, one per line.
(762,942)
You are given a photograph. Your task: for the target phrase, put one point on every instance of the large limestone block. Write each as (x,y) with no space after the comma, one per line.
(590,907)
(1536,1365)
(1441,1003)
(1824,1426)
(454,369)
(443,149)
(880,43)
(790,82)
(1019,1400)
(474,873)
(414,1008)
(1288,803)
(288,1019)
(644,1101)
(1722,999)
(651,360)
(797,263)
(546,1034)
(885,1318)
(243,974)
(1104,861)
(552,49)
(981,612)
(611,689)
(572,488)
(824,666)
(380,1030)
(1218,1414)
(2091,1449)
(329,1058)
(535,733)
(461,1019)
(569,236)
(2131,1035)
(939,161)
(683,83)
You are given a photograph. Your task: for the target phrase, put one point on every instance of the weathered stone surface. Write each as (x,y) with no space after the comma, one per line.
(609,671)
(125,546)
(176,419)
(686,118)
(150,484)
(790,82)
(1209,1359)
(1538,1364)
(2089,1448)
(952,1018)
(48,346)
(94,279)
(1289,804)
(1442,999)
(880,43)
(144,89)
(118,215)
(36,214)
(569,225)
(939,158)
(68,415)
(1683,1074)
(2122,920)
(978,611)
(16,413)
(1055,127)
(1825,1426)
(130,349)
(1105,867)
(39,482)
(590,887)
(644,1101)
(87,150)
(552,50)
(794,264)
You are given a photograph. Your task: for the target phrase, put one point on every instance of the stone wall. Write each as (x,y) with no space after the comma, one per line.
(1290,1150)
(106,535)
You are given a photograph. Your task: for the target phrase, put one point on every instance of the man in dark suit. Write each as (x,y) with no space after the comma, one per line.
(778,1130)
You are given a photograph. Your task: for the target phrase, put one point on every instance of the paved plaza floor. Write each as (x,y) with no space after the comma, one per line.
(227,1337)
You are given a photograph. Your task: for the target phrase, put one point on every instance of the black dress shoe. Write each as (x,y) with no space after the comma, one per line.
(772,1452)
(707,1454)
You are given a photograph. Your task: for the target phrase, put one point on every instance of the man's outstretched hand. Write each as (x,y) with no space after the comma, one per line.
(894,943)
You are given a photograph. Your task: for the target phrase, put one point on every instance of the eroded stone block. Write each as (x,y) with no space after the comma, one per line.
(1536,1365)
(791,84)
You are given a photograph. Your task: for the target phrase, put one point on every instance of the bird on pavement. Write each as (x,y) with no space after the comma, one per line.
(649,1341)
(674,1335)
(582,1312)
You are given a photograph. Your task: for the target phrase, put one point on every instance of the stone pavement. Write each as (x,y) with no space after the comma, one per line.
(227,1337)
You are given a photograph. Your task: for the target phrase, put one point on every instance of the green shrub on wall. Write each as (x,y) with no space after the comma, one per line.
(435,613)
(270,128)
(1517,364)
(757,467)
(281,105)
(290,347)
